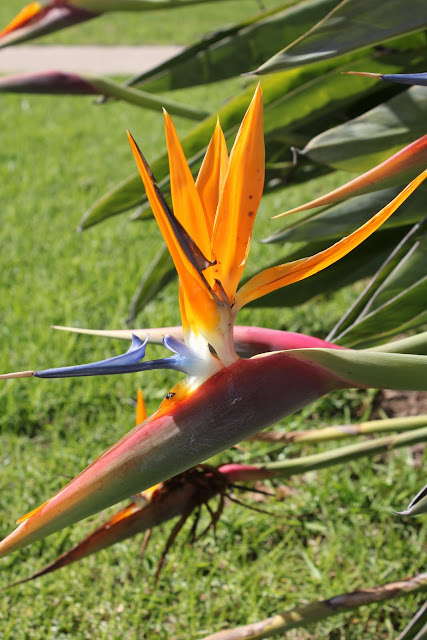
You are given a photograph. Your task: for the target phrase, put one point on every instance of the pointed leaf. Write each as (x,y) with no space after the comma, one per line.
(371,138)
(339,220)
(351,25)
(397,169)
(393,265)
(407,310)
(396,305)
(231,51)
(409,271)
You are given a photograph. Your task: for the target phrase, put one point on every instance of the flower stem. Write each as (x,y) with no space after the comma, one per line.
(337,432)
(322,609)
(286,468)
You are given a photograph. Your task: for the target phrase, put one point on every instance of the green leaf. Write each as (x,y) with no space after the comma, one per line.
(159,273)
(371,138)
(379,370)
(234,50)
(353,24)
(378,290)
(405,311)
(340,220)
(397,305)
(410,270)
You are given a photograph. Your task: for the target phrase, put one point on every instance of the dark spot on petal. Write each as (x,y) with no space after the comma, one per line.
(250,197)
(250,214)
(170,395)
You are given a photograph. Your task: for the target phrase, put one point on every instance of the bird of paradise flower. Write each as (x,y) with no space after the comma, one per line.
(224,398)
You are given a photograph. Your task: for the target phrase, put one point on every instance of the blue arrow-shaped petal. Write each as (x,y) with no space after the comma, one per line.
(184,359)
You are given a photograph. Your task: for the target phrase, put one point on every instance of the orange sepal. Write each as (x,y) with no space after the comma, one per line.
(288,273)
(186,201)
(141,410)
(211,176)
(26,14)
(239,199)
(197,291)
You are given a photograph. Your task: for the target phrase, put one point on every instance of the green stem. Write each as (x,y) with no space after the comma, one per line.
(337,432)
(322,609)
(143,98)
(285,468)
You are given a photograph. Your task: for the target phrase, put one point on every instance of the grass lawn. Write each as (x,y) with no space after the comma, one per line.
(334,533)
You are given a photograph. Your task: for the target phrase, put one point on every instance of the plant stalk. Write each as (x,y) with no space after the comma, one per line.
(286,468)
(337,432)
(316,611)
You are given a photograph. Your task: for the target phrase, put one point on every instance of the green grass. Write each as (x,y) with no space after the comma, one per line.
(175,26)
(335,532)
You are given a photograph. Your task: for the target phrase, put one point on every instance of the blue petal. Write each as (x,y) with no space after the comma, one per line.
(407,78)
(179,347)
(184,359)
(124,363)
